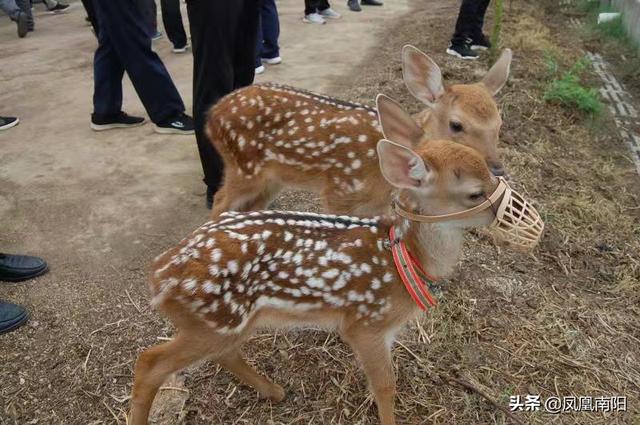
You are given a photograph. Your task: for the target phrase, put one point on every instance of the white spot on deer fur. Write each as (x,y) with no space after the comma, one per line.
(356,164)
(316,282)
(233,266)
(362,138)
(331,273)
(371,153)
(388,277)
(288,235)
(283,275)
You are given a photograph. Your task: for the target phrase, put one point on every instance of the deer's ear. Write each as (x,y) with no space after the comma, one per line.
(421,75)
(397,124)
(497,76)
(401,166)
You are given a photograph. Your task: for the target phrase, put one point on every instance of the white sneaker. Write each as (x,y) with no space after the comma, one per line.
(313,18)
(260,69)
(181,49)
(272,61)
(329,14)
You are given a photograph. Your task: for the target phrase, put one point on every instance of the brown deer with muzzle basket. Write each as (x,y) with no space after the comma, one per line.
(362,277)
(272,137)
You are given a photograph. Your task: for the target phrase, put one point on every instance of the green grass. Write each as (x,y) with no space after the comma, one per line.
(613,30)
(566,89)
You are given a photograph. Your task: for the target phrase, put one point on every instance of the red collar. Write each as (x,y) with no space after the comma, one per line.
(415,279)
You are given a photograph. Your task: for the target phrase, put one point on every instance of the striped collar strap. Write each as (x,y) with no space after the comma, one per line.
(415,279)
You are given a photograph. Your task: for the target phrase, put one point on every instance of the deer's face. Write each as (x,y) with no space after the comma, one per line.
(468,115)
(440,177)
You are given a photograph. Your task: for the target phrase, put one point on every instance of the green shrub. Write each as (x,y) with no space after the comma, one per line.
(568,91)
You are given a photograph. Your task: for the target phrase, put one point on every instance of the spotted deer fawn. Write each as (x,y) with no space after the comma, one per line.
(351,274)
(272,136)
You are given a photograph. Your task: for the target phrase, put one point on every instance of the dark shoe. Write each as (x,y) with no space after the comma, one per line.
(210,193)
(12,316)
(372,3)
(8,122)
(16,268)
(157,36)
(59,8)
(480,42)
(101,122)
(461,50)
(354,6)
(179,124)
(23,25)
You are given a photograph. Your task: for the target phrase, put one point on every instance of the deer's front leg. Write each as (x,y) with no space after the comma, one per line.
(375,357)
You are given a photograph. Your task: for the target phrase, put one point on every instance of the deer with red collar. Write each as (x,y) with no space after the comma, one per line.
(362,277)
(272,136)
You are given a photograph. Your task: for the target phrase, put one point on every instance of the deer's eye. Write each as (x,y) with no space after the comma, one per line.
(474,197)
(455,126)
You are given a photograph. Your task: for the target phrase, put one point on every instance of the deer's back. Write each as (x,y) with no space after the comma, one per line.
(229,270)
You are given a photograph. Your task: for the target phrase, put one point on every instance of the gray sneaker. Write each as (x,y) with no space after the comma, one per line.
(329,14)
(313,18)
(23,25)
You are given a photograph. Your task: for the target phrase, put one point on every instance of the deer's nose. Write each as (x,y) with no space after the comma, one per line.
(496,169)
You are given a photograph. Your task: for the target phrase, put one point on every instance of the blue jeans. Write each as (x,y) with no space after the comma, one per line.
(125,45)
(13,8)
(268,32)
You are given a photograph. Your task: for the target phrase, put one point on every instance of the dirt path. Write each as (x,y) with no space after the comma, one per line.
(100,206)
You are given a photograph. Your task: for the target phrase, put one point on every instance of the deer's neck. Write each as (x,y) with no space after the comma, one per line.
(436,247)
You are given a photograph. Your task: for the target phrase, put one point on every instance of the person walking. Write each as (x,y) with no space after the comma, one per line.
(316,11)
(125,45)
(267,49)
(223,39)
(468,36)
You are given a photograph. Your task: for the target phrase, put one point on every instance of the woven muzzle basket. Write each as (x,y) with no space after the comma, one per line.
(517,222)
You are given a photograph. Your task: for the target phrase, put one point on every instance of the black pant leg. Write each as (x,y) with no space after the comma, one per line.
(247,34)
(214,25)
(91,13)
(323,4)
(310,6)
(481,11)
(466,21)
(172,20)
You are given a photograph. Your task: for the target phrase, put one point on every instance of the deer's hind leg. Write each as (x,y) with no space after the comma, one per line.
(240,193)
(156,364)
(234,363)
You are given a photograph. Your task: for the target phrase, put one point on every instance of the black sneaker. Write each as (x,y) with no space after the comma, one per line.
(179,124)
(480,42)
(101,122)
(372,3)
(23,25)
(354,6)
(8,122)
(461,50)
(59,8)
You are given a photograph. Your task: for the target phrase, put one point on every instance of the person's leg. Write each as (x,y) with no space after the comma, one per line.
(270,33)
(25,6)
(91,14)
(122,21)
(323,5)
(172,20)
(310,6)
(107,75)
(259,44)
(214,38)
(246,36)
(466,21)
(481,11)
(10,8)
